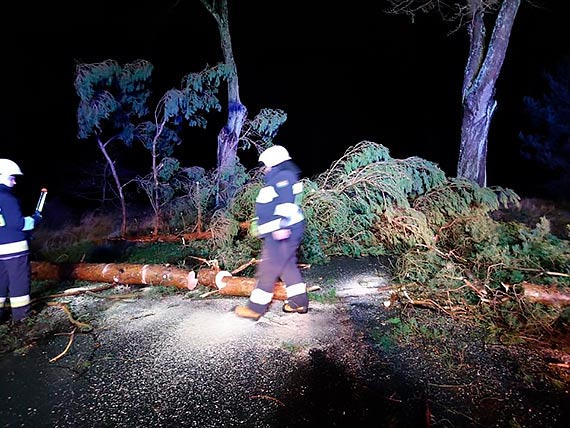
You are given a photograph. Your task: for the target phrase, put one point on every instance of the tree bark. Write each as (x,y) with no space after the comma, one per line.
(229,136)
(480,78)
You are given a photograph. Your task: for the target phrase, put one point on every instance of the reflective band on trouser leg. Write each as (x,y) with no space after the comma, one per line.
(297,295)
(20,307)
(296,289)
(259,300)
(260,297)
(18,302)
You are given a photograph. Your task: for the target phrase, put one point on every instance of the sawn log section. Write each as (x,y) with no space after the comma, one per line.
(136,274)
(221,281)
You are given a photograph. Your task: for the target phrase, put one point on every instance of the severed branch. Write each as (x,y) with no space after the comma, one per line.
(65,307)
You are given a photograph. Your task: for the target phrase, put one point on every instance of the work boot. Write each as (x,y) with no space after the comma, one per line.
(291,308)
(246,312)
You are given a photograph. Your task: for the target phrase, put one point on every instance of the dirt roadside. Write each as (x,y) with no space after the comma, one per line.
(186,360)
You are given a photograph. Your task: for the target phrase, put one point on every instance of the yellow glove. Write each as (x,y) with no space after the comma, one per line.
(253,227)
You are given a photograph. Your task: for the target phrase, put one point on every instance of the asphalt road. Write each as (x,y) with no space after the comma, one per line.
(182,360)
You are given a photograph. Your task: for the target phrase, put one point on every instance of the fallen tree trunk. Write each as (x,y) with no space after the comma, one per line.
(229,285)
(134,274)
(116,273)
(545,295)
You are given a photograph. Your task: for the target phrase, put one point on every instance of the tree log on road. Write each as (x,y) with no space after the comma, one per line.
(135,274)
(229,285)
(116,273)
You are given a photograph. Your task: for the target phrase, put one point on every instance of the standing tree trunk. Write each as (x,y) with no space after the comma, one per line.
(229,136)
(103,148)
(481,72)
(112,99)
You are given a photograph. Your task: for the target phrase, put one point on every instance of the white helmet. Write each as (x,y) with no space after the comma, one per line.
(8,167)
(274,155)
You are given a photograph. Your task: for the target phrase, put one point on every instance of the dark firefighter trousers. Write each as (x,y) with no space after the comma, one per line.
(15,284)
(279,261)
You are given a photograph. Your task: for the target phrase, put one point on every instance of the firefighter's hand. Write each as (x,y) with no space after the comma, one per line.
(37,216)
(253,228)
(29,224)
(281,234)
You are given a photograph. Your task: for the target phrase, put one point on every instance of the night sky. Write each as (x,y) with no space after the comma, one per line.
(343,72)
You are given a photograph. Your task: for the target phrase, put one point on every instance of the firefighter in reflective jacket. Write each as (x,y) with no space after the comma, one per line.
(14,251)
(280,224)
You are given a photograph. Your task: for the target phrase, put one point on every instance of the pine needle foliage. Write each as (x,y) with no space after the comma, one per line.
(459,197)
(242,206)
(347,205)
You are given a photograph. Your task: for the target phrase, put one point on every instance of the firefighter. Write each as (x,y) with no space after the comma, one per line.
(14,250)
(280,223)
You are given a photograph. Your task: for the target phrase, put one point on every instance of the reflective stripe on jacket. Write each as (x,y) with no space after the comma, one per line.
(275,205)
(13,240)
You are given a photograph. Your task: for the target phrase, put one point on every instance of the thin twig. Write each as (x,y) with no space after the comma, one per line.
(545,272)
(269,398)
(71,336)
(561,365)
(142,316)
(426,303)
(209,293)
(114,297)
(75,293)
(245,265)
(210,263)
(391,398)
(451,386)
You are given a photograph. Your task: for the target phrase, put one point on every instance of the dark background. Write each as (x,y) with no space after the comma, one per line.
(342,72)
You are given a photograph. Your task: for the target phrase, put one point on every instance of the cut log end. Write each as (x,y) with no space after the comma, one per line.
(192,280)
